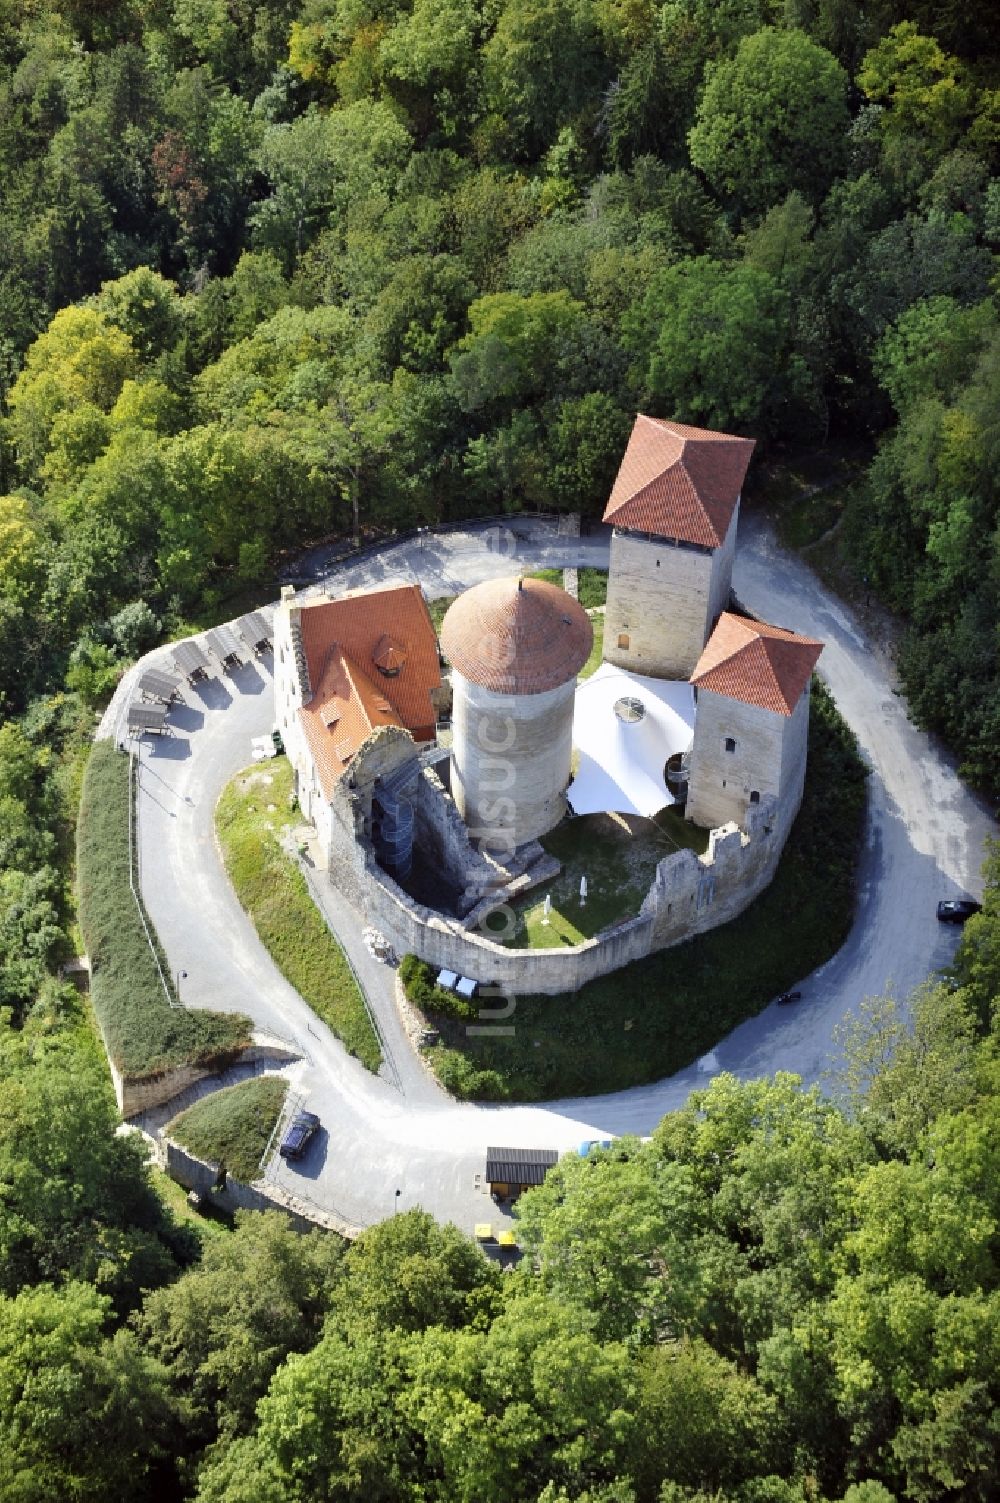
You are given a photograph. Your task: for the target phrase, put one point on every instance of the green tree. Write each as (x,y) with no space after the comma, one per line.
(701,1422)
(81,358)
(613,1234)
(924,95)
(408,1273)
(771,120)
(713,343)
(224,1329)
(543,67)
(81,1416)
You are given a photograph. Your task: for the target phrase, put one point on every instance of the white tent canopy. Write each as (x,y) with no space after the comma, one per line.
(621,761)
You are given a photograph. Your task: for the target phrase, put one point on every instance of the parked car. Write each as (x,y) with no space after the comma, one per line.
(787,997)
(957,910)
(301,1131)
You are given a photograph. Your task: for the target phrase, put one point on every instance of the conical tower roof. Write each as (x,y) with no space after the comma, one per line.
(517,636)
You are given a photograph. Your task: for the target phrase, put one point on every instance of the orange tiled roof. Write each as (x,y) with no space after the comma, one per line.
(679,482)
(517,636)
(756,663)
(346,643)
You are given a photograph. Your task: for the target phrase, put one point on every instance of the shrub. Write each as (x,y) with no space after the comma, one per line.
(143,1034)
(418,983)
(134,629)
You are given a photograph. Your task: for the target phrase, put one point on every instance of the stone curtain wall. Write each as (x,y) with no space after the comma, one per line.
(689,895)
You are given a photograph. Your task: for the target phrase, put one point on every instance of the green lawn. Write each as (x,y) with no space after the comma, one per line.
(144,1035)
(592,587)
(233,1127)
(251,813)
(596,652)
(658,1015)
(618,855)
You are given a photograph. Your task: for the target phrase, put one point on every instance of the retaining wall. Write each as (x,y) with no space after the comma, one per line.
(197,1174)
(136,1096)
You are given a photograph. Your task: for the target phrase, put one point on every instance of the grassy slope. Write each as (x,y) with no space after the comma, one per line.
(144,1035)
(274,893)
(656,1016)
(232,1127)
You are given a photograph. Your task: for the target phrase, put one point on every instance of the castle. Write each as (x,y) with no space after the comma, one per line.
(430,842)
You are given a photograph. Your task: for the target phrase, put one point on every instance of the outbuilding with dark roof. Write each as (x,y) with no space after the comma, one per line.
(511,1170)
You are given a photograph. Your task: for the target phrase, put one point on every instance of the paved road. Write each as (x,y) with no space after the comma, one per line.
(925,837)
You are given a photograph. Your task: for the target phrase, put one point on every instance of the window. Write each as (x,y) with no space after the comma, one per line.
(754,796)
(730,743)
(623,640)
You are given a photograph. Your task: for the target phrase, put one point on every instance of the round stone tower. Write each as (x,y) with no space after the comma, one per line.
(515,647)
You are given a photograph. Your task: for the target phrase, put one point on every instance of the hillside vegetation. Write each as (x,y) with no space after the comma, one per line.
(279,271)
(144,1034)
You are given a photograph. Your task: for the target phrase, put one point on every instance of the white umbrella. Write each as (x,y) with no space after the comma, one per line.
(583,890)
(547,907)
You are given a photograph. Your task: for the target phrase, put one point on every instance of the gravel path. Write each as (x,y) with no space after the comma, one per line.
(398,1131)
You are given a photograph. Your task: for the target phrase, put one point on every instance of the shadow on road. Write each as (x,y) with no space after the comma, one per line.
(186,717)
(213,694)
(170,749)
(247,679)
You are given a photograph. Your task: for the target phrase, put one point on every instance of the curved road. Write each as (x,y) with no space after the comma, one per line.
(399,1131)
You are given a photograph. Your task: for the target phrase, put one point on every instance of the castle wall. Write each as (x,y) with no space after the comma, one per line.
(690,894)
(769,758)
(511,761)
(659,598)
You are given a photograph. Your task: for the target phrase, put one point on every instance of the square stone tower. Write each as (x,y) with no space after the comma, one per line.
(674,506)
(752,721)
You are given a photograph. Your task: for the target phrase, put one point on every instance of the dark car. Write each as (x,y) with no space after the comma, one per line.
(787,997)
(957,910)
(296,1140)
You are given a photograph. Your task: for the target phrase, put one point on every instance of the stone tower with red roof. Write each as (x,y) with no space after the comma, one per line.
(674,507)
(752,721)
(515,647)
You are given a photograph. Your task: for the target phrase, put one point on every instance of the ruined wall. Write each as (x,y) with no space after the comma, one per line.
(197,1174)
(689,895)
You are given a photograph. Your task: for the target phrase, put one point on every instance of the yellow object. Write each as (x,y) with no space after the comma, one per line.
(484,1232)
(507,1239)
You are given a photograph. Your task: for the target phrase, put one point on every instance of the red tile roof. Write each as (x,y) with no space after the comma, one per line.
(679,482)
(756,663)
(347,644)
(517,636)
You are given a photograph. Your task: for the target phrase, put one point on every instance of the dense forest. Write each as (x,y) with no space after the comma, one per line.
(276,272)
(779,1298)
